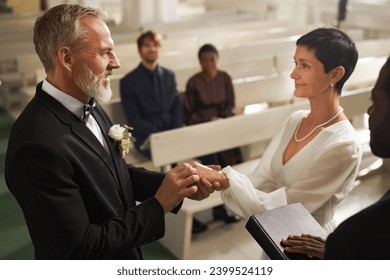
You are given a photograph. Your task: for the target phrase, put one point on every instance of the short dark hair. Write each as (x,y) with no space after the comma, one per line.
(386,84)
(150,34)
(207,48)
(333,48)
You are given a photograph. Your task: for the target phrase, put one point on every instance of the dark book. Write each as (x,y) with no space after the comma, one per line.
(270,227)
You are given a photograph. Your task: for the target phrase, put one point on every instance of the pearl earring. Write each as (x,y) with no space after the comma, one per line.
(332,84)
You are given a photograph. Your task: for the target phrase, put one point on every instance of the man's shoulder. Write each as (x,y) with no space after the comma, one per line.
(166,70)
(374,214)
(132,74)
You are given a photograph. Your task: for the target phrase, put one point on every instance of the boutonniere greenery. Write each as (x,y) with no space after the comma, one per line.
(122,135)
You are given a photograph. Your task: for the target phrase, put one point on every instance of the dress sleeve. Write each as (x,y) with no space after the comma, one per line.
(332,172)
(245,200)
(243,197)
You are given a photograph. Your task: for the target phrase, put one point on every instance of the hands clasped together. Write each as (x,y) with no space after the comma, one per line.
(192,180)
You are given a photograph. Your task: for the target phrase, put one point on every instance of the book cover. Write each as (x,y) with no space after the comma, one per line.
(270,227)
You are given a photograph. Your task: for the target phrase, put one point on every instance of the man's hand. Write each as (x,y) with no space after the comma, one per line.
(305,244)
(179,182)
(205,188)
(213,174)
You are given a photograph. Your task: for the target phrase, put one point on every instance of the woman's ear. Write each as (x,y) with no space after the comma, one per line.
(338,74)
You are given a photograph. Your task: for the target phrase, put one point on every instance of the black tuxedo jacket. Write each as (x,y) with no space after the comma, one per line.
(364,236)
(79,201)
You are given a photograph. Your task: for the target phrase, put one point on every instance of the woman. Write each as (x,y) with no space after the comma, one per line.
(209,96)
(314,159)
(351,240)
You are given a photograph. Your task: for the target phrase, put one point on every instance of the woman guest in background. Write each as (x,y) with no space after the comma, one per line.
(315,157)
(209,96)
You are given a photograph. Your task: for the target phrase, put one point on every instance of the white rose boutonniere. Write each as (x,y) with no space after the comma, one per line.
(122,135)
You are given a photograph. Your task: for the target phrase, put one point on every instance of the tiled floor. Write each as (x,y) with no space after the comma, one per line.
(233,242)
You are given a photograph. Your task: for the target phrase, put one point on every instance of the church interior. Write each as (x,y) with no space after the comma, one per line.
(256,40)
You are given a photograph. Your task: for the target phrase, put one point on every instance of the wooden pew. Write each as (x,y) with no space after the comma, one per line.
(260,66)
(366,72)
(178,145)
(227,28)
(271,89)
(13,82)
(372,17)
(200,25)
(373,47)
(185,57)
(263,8)
(245,36)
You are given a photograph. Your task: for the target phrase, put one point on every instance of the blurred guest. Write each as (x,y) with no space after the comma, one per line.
(209,96)
(149,95)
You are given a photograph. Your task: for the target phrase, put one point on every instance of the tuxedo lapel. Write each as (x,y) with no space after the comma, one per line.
(78,128)
(116,159)
(85,135)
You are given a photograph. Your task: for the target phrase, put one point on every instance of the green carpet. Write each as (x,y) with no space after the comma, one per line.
(15,241)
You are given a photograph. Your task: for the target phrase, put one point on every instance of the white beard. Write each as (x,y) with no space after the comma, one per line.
(93,86)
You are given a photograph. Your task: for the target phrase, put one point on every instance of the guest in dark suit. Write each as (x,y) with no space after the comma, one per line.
(77,194)
(365,235)
(149,95)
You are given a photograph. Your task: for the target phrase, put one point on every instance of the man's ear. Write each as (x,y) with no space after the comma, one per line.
(66,57)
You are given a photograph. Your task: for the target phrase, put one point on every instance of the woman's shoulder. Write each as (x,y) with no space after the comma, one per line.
(224,75)
(194,81)
(343,129)
(297,115)
(342,135)
(195,77)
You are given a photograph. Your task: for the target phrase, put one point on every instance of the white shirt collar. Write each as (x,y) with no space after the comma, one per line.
(71,103)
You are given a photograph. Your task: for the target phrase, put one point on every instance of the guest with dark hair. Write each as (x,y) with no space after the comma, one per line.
(209,96)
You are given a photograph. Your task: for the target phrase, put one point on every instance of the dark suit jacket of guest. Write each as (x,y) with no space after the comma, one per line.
(79,201)
(145,111)
(364,236)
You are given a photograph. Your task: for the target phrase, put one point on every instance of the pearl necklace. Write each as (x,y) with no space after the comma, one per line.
(318,126)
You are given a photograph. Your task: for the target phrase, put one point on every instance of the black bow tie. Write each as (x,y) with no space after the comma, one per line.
(88,109)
